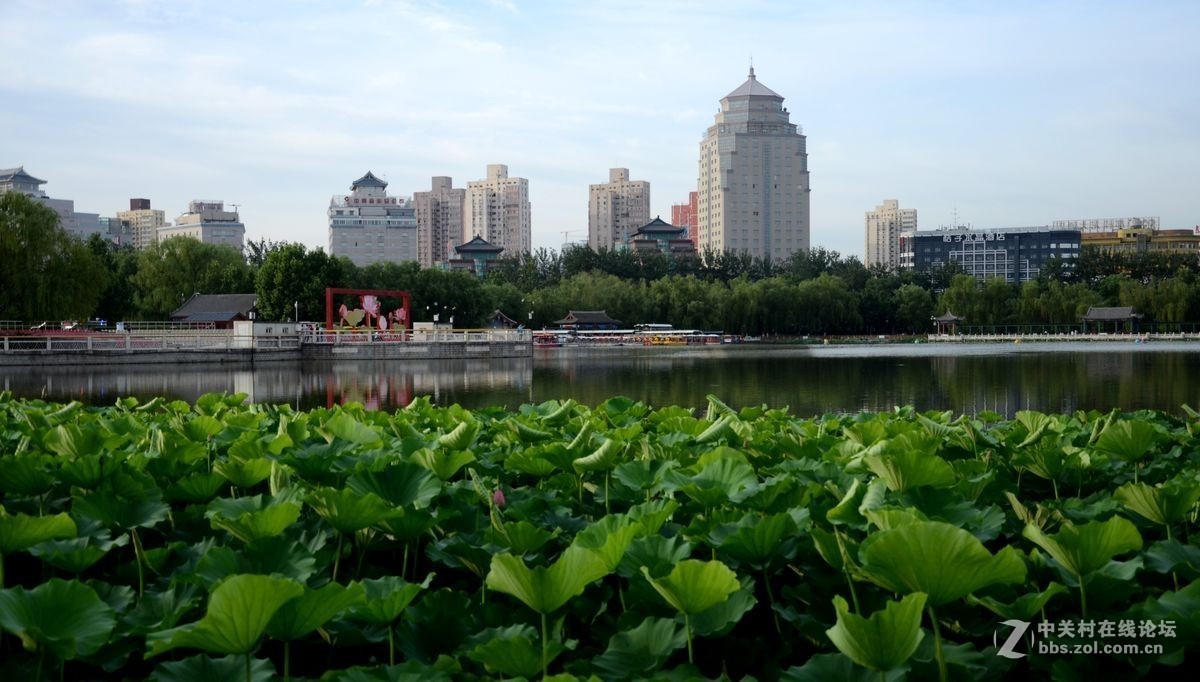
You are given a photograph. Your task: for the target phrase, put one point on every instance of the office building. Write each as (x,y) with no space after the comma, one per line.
(616,209)
(500,211)
(1014,254)
(883,229)
(753,189)
(440,222)
(143,222)
(368,226)
(82,225)
(208,222)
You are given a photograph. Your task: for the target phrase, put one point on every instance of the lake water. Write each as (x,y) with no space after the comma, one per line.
(969,378)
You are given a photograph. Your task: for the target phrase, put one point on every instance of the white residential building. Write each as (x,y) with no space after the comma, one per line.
(616,209)
(440,221)
(884,227)
(753,186)
(500,211)
(208,222)
(368,226)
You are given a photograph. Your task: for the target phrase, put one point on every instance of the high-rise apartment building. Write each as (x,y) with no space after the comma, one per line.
(616,209)
(684,215)
(499,209)
(440,222)
(210,223)
(143,222)
(753,191)
(368,226)
(884,227)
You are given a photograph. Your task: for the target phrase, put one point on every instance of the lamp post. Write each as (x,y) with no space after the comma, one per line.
(296,306)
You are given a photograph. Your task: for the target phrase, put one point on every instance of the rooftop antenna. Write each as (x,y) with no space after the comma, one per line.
(235,207)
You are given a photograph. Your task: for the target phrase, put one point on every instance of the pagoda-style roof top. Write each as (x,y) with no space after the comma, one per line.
(752,88)
(948,317)
(478,245)
(215,308)
(587,317)
(1118,314)
(499,319)
(368,180)
(18,173)
(658,226)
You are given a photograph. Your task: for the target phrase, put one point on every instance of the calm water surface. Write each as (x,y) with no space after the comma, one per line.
(965,378)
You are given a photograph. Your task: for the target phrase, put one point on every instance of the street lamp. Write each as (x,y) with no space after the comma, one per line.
(296,305)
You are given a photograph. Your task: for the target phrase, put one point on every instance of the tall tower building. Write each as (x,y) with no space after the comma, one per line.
(885,225)
(368,226)
(143,222)
(440,220)
(500,212)
(753,185)
(616,210)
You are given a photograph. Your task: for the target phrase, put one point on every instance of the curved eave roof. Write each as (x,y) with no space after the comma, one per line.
(368,180)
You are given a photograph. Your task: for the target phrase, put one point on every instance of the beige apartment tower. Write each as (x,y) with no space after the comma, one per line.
(753,185)
(885,225)
(616,210)
(440,221)
(499,210)
(143,222)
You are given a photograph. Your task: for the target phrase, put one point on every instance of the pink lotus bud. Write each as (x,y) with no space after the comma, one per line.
(498,498)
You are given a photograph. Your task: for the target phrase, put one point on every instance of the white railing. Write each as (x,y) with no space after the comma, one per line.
(173,341)
(339,337)
(1091,336)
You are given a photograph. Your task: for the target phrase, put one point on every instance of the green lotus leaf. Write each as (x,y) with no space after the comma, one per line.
(1085,548)
(244,472)
(1170,555)
(719,620)
(386,598)
(718,430)
(529,434)
(202,427)
(260,523)
(513,651)
(400,484)
(199,487)
(1127,439)
(907,469)
(313,609)
(762,540)
(826,667)
(884,640)
(529,462)
(86,472)
(460,437)
(349,429)
(76,554)
(238,613)
(1026,607)
(65,616)
(652,515)
(640,651)
(348,511)
(941,560)
(521,537)
(560,414)
(608,539)
(19,532)
(694,586)
(408,524)
(546,589)
(846,510)
(1166,504)
(74,440)
(1035,424)
(583,438)
(203,668)
(886,518)
(656,552)
(723,478)
(603,458)
(443,463)
(25,475)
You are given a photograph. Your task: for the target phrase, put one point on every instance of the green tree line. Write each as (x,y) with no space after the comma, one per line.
(46,273)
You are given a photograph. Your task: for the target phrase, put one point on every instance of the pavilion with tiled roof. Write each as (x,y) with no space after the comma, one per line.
(368,180)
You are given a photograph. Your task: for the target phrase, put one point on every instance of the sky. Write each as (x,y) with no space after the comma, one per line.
(1000,114)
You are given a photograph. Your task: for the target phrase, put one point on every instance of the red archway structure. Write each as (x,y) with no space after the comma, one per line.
(404,312)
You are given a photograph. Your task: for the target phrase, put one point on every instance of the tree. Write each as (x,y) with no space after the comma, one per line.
(120,263)
(914,308)
(45,272)
(293,275)
(170,271)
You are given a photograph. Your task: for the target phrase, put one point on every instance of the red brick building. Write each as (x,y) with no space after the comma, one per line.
(684,215)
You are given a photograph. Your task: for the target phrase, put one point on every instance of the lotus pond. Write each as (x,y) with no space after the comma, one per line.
(224,540)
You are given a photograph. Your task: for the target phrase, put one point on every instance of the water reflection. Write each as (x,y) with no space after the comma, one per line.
(969,379)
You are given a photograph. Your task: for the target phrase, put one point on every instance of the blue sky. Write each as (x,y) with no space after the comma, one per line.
(1014,113)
